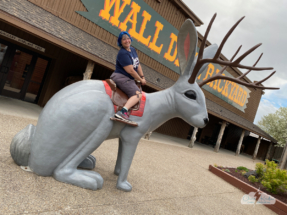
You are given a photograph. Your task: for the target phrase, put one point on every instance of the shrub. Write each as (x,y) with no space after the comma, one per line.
(227,170)
(242,168)
(243,173)
(274,179)
(260,169)
(252,179)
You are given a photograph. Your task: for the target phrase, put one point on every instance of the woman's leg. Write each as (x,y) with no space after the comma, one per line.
(130,88)
(133,100)
(123,113)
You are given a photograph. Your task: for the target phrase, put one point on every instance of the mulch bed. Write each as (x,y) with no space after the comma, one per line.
(281,197)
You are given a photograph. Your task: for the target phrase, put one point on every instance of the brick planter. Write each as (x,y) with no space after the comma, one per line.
(279,207)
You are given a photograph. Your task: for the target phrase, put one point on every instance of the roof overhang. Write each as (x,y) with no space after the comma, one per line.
(189,13)
(228,116)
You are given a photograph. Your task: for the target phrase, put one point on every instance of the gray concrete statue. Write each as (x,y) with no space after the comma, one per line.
(76,120)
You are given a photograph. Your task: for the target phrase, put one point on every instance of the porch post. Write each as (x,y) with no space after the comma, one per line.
(256,148)
(89,70)
(282,161)
(193,137)
(218,142)
(269,151)
(240,142)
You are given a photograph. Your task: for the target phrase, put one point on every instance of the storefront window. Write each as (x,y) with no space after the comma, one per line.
(36,80)
(18,70)
(3,49)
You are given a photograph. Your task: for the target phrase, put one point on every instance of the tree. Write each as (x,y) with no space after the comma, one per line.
(275,124)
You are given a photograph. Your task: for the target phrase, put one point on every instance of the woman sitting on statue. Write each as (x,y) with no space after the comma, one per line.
(128,69)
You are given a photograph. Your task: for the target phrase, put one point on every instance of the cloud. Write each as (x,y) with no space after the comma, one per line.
(265,107)
(276,94)
(257,27)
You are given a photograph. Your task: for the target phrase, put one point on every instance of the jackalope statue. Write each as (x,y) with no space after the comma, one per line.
(76,120)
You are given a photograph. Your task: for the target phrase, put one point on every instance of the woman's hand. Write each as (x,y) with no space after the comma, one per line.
(143,81)
(129,69)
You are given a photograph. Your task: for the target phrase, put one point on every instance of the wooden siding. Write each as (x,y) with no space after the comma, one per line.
(63,62)
(175,127)
(63,65)
(65,9)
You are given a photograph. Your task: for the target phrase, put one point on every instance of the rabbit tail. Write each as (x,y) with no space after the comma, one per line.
(21,145)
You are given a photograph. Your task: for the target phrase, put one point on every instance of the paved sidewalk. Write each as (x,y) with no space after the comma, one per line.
(167,179)
(19,108)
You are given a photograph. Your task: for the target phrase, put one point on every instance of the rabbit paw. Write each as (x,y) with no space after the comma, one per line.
(125,186)
(81,178)
(88,163)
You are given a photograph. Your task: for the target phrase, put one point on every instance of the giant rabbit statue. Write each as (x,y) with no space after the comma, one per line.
(76,120)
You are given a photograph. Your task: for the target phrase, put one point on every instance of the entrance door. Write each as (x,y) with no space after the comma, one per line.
(21,73)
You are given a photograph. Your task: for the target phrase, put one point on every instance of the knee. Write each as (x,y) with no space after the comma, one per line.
(139,95)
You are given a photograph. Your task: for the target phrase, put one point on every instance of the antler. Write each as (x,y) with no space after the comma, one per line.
(230,63)
(237,80)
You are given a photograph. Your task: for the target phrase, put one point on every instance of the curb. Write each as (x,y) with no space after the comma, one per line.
(279,207)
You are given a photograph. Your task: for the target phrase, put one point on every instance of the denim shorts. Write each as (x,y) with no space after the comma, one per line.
(127,85)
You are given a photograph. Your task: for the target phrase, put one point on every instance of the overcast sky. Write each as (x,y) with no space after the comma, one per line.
(265,22)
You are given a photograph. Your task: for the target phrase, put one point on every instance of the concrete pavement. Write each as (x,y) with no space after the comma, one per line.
(19,108)
(167,178)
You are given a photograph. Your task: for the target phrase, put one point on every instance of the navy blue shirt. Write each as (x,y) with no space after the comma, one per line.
(126,58)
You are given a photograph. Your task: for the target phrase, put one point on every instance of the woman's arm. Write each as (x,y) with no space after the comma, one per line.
(140,72)
(130,69)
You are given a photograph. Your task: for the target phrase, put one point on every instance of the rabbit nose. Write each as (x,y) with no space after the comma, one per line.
(206,120)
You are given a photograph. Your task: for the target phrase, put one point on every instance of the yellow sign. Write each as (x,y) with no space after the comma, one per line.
(233,93)
(152,34)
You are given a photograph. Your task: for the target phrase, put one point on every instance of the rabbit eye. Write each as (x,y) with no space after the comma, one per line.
(190,94)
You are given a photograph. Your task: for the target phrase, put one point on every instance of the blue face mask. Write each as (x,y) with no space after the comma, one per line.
(121,36)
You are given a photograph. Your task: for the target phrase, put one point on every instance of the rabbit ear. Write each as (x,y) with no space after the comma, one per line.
(186,45)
